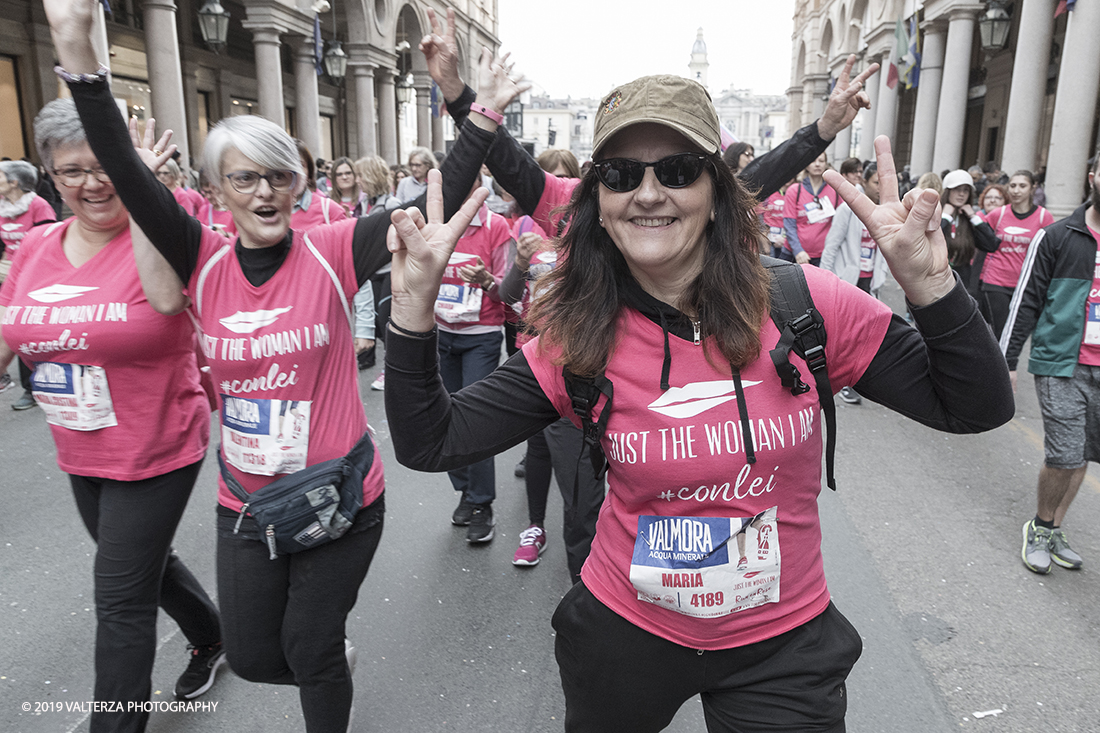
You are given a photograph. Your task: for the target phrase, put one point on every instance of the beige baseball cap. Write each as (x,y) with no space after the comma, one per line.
(665,99)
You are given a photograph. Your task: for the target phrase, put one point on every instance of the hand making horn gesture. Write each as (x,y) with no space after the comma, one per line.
(906,230)
(421,250)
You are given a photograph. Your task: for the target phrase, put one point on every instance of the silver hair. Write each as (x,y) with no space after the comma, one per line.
(21,173)
(425,156)
(172,167)
(258,139)
(57,126)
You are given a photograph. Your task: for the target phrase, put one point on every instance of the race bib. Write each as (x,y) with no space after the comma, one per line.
(1092,325)
(458,303)
(265,437)
(73,396)
(820,211)
(707,566)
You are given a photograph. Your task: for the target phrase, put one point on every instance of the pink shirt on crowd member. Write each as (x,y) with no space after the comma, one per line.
(678,472)
(771,212)
(542,262)
(319,209)
(212,217)
(188,199)
(555,194)
(117,381)
(13,229)
(1003,266)
(462,307)
(804,207)
(1090,340)
(281,358)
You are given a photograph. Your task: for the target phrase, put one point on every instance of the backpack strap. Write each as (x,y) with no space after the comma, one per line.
(584,392)
(802,330)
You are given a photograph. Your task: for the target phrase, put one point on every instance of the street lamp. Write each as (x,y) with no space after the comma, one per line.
(336,61)
(214,24)
(405,92)
(994,26)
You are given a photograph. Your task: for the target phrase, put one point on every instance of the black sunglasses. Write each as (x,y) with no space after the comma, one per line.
(676,171)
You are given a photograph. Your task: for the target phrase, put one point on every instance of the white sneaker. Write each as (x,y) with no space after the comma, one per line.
(379,384)
(6,383)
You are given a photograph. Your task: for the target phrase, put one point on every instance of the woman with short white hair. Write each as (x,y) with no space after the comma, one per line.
(421,160)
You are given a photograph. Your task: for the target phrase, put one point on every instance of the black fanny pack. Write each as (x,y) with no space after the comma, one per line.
(309,508)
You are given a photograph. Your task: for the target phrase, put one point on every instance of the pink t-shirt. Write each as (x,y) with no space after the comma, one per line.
(14,229)
(320,207)
(1003,266)
(542,262)
(464,308)
(1090,341)
(867,250)
(281,359)
(667,556)
(813,215)
(212,217)
(556,194)
(117,381)
(771,212)
(190,200)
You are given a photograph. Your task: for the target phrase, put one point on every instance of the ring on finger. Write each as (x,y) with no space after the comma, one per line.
(157,151)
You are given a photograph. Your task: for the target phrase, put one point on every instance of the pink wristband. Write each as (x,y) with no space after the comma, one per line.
(485,111)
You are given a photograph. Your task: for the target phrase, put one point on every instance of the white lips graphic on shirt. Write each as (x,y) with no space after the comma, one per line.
(1016,230)
(697,397)
(461,258)
(58,293)
(10,227)
(242,322)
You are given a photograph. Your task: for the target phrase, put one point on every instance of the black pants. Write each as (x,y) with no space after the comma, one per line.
(133,523)
(284,618)
(569,456)
(25,373)
(997,300)
(618,677)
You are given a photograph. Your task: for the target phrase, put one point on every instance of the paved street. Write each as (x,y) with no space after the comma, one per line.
(922,547)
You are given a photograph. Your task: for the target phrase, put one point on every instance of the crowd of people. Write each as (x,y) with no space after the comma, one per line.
(631,294)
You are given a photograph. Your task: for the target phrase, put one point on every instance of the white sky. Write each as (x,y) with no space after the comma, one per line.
(583,48)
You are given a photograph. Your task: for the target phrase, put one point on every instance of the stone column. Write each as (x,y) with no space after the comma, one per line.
(387,116)
(165,74)
(928,99)
(422,83)
(819,89)
(886,114)
(951,115)
(438,143)
(794,114)
(1029,83)
(363,79)
(307,110)
(1074,110)
(269,73)
(867,116)
(842,145)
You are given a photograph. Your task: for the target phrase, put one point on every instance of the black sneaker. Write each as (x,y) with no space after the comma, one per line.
(850,396)
(521,468)
(481,523)
(463,512)
(25,402)
(200,672)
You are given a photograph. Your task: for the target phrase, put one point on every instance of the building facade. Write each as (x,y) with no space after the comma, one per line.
(162,68)
(1031,104)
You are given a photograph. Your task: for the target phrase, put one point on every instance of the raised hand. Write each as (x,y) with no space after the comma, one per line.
(153,154)
(476,274)
(906,230)
(497,85)
(526,246)
(846,100)
(421,250)
(441,52)
(71,28)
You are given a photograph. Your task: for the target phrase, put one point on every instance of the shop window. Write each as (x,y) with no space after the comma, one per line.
(13,141)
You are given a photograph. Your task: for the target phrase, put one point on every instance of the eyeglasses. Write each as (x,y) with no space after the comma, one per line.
(676,171)
(73,177)
(345,174)
(165,174)
(248,181)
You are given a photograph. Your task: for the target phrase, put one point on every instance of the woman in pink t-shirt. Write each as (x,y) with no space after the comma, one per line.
(661,299)
(119,386)
(809,207)
(1014,225)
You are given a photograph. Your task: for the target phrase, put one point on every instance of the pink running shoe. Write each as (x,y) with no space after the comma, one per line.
(532,542)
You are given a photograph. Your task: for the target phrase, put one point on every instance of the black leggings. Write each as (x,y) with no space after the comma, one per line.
(284,618)
(996,300)
(133,523)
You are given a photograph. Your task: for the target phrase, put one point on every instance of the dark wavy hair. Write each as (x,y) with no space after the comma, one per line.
(579,311)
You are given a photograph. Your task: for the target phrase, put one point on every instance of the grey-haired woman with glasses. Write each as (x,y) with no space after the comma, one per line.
(119,386)
(274,310)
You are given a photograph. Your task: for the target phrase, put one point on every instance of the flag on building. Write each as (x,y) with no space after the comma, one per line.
(901,48)
(728,138)
(912,75)
(107,7)
(436,96)
(318,45)
(1064,6)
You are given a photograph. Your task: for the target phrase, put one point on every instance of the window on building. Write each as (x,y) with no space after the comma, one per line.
(240,106)
(328,128)
(135,95)
(205,114)
(13,141)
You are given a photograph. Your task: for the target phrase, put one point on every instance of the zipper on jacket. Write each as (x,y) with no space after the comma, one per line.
(240,518)
(698,333)
(270,534)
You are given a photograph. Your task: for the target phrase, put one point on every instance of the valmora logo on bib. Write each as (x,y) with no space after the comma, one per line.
(58,293)
(697,397)
(241,322)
